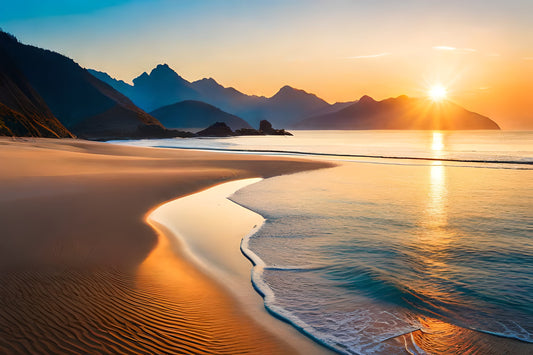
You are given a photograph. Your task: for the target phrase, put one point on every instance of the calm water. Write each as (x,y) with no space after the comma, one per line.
(495,146)
(393,255)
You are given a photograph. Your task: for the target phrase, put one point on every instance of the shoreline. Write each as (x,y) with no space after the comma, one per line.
(281,196)
(75,265)
(267,295)
(225,264)
(81,270)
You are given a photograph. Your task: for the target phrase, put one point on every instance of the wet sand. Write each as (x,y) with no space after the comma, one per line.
(82,272)
(209,228)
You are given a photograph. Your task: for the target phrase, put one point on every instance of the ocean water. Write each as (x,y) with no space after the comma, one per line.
(466,146)
(417,242)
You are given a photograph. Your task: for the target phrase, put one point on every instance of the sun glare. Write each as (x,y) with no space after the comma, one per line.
(437,93)
(437,142)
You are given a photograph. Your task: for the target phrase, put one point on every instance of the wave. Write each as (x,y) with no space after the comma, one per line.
(381,330)
(269,297)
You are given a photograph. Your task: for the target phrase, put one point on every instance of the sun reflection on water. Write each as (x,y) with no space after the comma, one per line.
(437,143)
(437,192)
(436,205)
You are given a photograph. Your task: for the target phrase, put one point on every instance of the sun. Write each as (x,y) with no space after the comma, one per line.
(437,93)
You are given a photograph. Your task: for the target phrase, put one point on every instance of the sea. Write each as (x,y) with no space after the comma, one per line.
(416,242)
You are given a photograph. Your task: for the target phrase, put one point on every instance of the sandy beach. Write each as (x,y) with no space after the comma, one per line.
(81,270)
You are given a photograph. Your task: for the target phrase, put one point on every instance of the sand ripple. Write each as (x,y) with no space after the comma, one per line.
(107,312)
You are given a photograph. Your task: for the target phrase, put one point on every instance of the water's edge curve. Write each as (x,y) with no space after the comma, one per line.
(188,220)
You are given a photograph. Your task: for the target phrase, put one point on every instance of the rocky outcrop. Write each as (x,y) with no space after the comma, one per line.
(265,127)
(218,129)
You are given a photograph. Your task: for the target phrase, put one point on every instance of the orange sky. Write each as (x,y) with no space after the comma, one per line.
(482,51)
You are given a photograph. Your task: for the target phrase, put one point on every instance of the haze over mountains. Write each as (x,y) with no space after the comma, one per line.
(163,86)
(399,113)
(43,93)
(191,114)
(293,108)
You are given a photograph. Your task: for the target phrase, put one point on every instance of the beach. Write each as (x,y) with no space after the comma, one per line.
(394,252)
(210,177)
(82,270)
(109,248)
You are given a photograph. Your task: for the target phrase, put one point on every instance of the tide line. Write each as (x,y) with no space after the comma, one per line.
(209,229)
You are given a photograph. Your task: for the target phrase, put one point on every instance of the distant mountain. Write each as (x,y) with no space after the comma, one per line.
(163,86)
(289,106)
(196,114)
(399,113)
(337,106)
(219,95)
(22,111)
(293,108)
(229,99)
(85,105)
(119,85)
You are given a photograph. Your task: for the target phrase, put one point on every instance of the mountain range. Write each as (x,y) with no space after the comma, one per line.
(294,108)
(163,86)
(399,113)
(43,93)
(195,115)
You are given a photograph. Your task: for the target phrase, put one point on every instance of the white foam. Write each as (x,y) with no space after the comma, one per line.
(210,228)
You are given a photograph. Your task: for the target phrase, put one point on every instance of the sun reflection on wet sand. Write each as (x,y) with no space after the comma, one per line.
(438,337)
(198,262)
(188,308)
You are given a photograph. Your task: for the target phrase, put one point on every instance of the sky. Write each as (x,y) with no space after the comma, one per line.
(481,51)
